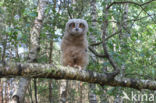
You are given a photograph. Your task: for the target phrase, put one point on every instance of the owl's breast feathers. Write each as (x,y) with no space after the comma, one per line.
(75,52)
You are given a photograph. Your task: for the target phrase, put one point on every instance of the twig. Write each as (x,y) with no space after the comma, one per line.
(131,2)
(95,44)
(147,2)
(148,14)
(113,35)
(121,2)
(126,20)
(98,43)
(95,53)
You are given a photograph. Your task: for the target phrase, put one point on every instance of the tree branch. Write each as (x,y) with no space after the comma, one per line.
(147,2)
(130,2)
(95,53)
(34,70)
(98,43)
(95,44)
(105,25)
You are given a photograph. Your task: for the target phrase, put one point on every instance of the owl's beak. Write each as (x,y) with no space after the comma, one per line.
(77,29)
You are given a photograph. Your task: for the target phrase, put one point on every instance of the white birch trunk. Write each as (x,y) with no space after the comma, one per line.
(92,95)
(18,95)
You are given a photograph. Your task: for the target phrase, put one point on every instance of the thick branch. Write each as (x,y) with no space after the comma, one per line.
(35,70)
(105,25)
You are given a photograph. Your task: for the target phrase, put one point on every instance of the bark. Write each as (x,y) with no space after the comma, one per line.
(5,90)
(34,70)
(1,91)
(123,37)
(18,96)
(50,61)
(51,54)
(35,88)
(92,95)
(17,54)
(81,93)
(104,42)
(63,91)
(30,93)
(20,90)
(4,47)
(50,91)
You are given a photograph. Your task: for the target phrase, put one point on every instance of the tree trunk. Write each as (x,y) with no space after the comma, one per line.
(123,37)
(17,54)
(92,95)
(63,91)
(4,47)
(30,93)
(1,92)
(18,96)
(3,60)
(35,88)
(50,91)
(51,99)
(50,81)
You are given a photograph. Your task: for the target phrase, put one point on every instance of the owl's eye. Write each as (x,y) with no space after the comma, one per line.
(72,25)
(81,25)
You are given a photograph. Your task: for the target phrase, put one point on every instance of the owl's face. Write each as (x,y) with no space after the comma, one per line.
(77,27)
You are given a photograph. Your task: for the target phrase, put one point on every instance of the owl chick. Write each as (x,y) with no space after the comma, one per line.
(74,44)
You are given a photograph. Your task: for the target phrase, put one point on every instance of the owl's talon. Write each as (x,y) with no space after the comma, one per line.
(80,68)
(77,66)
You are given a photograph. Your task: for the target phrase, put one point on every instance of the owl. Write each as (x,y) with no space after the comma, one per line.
(74,44)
